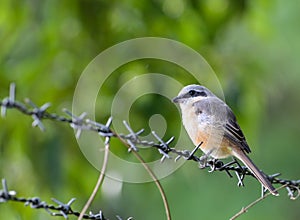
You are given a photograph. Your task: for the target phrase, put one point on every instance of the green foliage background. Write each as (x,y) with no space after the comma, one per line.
(253,47)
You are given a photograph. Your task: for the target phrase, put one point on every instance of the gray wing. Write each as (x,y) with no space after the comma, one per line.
(234,132)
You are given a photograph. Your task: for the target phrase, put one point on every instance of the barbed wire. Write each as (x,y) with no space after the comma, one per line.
(60,209)
(82,123)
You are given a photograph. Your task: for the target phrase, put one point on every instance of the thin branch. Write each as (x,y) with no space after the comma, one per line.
(101,176)
(148,169)
(244,210)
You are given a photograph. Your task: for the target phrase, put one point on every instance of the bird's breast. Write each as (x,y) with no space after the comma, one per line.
(196,123)
(202,127)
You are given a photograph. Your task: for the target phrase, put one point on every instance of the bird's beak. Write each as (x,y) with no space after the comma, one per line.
(176,99)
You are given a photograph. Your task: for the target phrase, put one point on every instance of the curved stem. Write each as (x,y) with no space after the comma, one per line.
(152,175)
(244,210)
(99,181)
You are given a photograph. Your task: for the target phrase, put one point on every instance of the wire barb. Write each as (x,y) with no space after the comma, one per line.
(132,138)
(5,194)
(9,101)
(78,122)
(163,147)
(38,114)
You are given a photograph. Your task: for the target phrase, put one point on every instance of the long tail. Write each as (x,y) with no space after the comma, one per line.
(256,172)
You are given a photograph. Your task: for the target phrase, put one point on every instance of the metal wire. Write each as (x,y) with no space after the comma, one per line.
(82,123)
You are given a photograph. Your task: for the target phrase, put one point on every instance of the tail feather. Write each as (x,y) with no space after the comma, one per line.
(256,172)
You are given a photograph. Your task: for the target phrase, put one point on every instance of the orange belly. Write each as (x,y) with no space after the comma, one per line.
(215,145)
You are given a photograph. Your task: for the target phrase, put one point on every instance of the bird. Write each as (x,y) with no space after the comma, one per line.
(209,120)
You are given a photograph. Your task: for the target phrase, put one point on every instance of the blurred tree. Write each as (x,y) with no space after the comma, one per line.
(252,45)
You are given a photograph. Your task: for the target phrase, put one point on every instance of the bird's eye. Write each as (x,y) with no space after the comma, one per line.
(192,93)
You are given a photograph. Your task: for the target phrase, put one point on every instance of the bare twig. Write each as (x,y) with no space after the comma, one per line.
(148,169)
(245,209)
(101,176)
